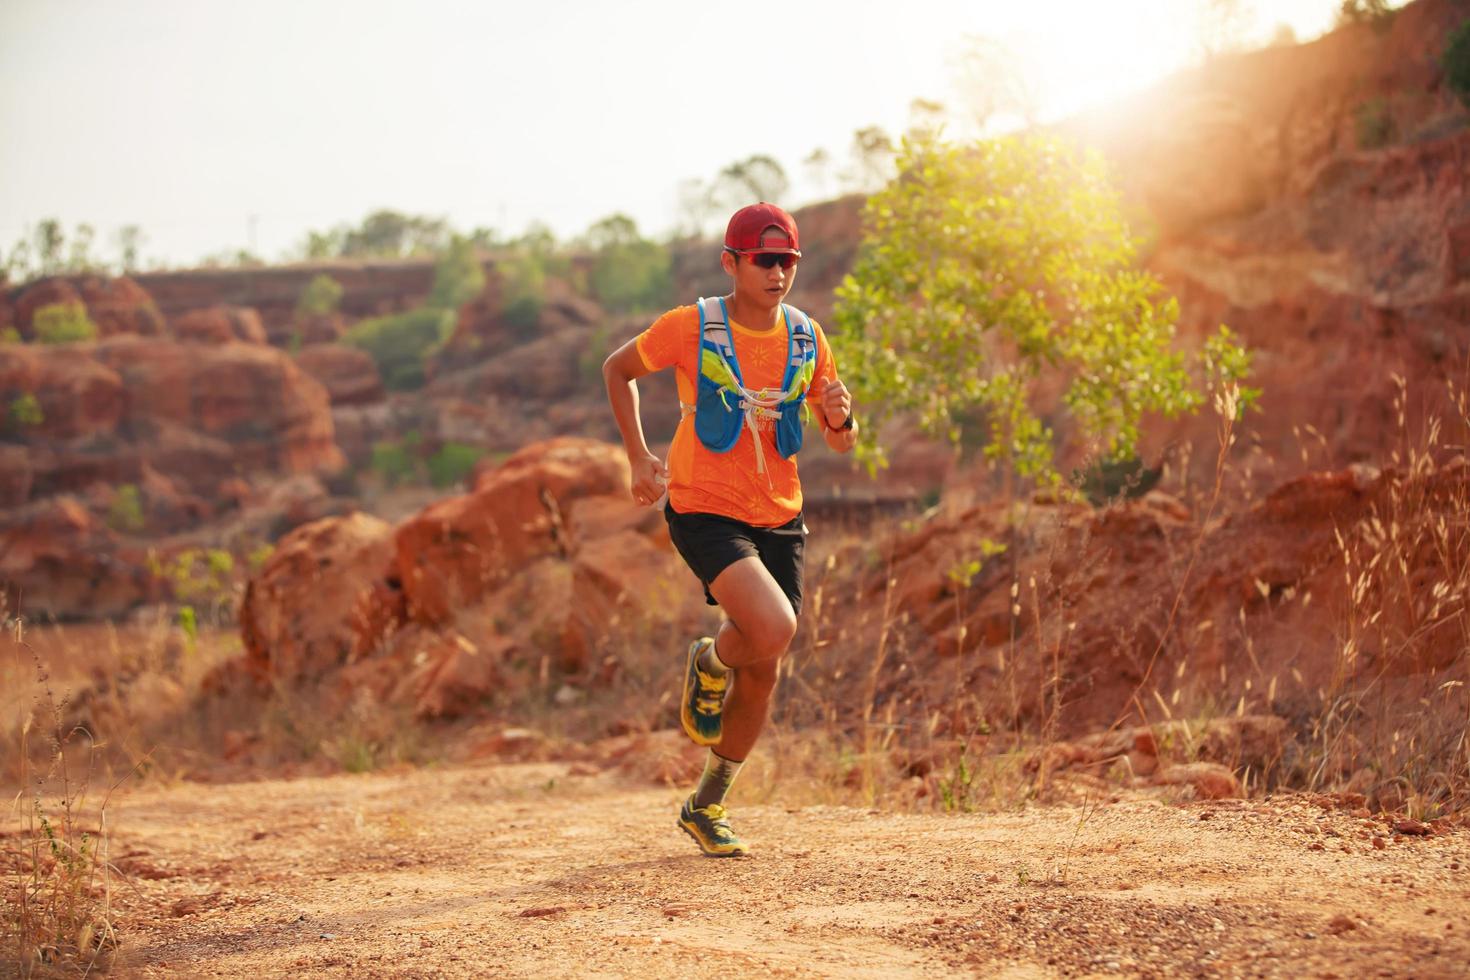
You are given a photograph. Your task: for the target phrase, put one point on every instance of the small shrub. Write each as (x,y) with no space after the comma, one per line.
(1374,124)
(395,462)
(25,411)
(400,343)
(126,510)
(258,556)
(198,576)
(321,297)
(10,335)
(524,292)
(1456,62)
(589,362)
(452,463)
(458,276)
(63,323)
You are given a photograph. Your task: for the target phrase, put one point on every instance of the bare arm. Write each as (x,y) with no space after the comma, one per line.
(620,372)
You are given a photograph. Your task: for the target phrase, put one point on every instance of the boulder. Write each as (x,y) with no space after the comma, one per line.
(15,476)
(220,325)
(42,292)
(350,375)
(324,599)
(1209,780)
(57,559)
(460,549)
(118,305)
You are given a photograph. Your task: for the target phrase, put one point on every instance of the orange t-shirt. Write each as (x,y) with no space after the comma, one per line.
(707,482)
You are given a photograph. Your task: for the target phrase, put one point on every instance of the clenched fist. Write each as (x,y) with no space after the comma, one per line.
(836,404)
(649,478)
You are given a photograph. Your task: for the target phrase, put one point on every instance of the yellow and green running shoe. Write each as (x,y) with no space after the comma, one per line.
(704,697)
(710,828)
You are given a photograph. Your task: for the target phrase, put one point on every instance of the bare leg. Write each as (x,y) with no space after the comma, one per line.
(752,640)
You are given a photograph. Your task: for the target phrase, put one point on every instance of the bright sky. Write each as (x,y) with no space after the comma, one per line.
(218,125)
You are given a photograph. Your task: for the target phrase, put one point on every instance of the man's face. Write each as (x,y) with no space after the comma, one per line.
(766,286)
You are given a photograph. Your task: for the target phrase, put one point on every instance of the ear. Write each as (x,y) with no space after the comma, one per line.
(727,262)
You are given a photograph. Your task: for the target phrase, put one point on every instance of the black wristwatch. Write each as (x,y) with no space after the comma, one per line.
(847,424)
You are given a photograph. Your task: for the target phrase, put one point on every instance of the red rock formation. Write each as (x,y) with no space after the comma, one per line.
(118,305)
(57,559)
(368,289)
(350,375)
(577,574)
(460,549)
(15,476)
(219,325)
(322,601)
(1116,603)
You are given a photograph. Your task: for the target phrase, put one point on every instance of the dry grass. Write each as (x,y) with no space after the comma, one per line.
(56,914)
(1396,709)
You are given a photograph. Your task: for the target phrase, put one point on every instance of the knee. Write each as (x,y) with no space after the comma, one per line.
(772,635)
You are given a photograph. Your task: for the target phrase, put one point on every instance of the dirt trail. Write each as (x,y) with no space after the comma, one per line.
(535,870)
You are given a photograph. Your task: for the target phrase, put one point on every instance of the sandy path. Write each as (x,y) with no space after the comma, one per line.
(521,870)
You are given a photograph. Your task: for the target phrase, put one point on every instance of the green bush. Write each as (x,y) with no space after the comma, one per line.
(458,276)
(63,323)
(25,411)
(395,461)
(633,276)
(523,292)
(400,343)
(322,296)
(1456,62)
(452,463)
(1375,125)
(126,510)
(9,335)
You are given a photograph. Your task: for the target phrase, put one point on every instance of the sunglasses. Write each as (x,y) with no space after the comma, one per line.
(769,260)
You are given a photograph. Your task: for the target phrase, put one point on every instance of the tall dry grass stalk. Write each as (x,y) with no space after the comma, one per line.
(1395,710)
(57,909)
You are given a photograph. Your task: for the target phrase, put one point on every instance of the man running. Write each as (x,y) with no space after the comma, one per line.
(748,368)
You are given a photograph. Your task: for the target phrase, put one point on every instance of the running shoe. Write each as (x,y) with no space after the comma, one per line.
(704,698)
(710,828)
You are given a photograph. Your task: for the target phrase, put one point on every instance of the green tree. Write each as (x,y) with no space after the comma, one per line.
(63,323)
(320,297)
(630,273)
(392,234)
(1378,14)
(49,241)
(1456,62)
(129,239)
(458,275)
(988,268)
(79,250)
(872,157)
(756,178)
(522,291)
(401,342)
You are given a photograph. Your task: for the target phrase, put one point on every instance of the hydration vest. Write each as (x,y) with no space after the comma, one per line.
(724,405)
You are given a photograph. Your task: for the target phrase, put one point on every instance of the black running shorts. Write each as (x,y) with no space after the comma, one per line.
(710,543)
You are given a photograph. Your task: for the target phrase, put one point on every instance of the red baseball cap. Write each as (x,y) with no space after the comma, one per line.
(747,230)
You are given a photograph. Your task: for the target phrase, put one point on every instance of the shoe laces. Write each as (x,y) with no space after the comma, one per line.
(711,693)
(719,820)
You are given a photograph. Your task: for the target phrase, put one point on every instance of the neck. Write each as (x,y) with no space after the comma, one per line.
(754,315)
